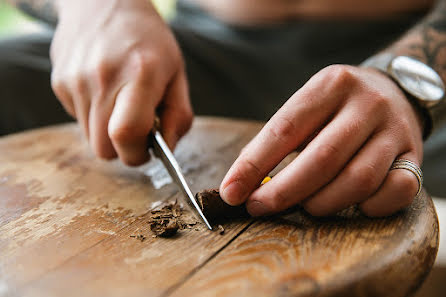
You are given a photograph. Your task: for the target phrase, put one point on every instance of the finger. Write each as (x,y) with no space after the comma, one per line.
(100,112)
(62,94)
(398,191)
(68,105)
(361,178)
(77,85)
(131,122)
(81,101)
(176,111)
(307,110)
(105,82)
(317,164)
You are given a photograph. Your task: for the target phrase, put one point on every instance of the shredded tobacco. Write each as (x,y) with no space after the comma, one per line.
(166,220)
(216,210)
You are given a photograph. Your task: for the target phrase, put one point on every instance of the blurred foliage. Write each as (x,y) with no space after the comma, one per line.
(165,7)
(13,21)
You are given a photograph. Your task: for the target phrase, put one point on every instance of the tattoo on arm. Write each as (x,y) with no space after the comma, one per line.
(427,40)
(41,9)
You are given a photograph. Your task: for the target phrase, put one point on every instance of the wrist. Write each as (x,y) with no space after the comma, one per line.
(423,118)
(421,85)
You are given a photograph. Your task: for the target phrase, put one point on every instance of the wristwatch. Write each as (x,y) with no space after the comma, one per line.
(421,84)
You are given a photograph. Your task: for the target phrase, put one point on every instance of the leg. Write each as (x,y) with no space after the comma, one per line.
(27,100)
(250,71)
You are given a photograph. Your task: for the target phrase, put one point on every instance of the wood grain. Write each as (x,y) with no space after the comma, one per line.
(60,202)
(66,219)
(344,255)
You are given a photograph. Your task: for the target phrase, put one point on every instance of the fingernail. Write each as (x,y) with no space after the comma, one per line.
(234,193)
(257,208)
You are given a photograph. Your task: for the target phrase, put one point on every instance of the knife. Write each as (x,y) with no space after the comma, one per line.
(162,151)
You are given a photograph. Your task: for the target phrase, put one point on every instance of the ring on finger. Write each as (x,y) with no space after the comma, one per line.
(412,167)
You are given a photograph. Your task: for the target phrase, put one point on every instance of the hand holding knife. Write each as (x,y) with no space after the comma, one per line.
(162,151)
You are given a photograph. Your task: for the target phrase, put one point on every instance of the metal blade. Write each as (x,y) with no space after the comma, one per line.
(163,152)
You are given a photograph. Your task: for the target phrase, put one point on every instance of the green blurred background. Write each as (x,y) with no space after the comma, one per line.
(14,22)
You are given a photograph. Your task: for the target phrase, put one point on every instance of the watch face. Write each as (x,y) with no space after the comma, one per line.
(418,79)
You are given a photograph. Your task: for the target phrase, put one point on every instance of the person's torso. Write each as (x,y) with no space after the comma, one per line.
(273,11)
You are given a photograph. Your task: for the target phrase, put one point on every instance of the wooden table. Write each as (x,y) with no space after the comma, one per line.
(66,219)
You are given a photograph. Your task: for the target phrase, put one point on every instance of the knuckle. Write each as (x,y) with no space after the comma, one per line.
(144,64)
(102,74)
(78,84)
(250,167)
(126,132)
(56,80)
(404,127)
(378,103)
(60,90)
(366,180)
(282,129)
(340,75)
(278,202)
(387,148)
(326,153)
(58,87)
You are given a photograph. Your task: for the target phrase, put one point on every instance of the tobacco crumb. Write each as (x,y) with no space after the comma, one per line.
(168,218)
(164,228)
(216,210)
(221,230)
(140,237)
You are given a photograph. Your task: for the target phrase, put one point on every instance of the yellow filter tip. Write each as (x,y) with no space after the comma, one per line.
(265,180)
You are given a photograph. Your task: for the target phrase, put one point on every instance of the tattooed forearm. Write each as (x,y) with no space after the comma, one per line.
(41,9)
(427,40)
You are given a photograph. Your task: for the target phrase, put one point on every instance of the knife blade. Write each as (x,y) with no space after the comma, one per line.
(162,151)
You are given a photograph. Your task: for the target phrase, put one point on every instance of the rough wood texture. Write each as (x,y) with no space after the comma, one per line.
(66,221)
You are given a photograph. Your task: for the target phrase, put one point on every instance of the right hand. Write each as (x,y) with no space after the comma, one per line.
(114,63)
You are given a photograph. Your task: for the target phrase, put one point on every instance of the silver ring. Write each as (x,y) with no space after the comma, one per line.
(412,167)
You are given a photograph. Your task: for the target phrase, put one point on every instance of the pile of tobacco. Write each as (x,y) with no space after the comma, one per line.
(167,219)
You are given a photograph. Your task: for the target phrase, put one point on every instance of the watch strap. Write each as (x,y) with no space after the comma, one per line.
(380,62)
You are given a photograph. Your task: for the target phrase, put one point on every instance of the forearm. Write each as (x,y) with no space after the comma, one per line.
(427,42)
(44,10)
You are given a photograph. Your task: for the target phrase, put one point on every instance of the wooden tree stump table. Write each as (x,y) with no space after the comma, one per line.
(66,221)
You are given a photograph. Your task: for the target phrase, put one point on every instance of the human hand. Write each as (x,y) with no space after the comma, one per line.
(114,64)
(361,122)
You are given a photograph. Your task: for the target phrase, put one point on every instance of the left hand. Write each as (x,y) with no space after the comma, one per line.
(361,122)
